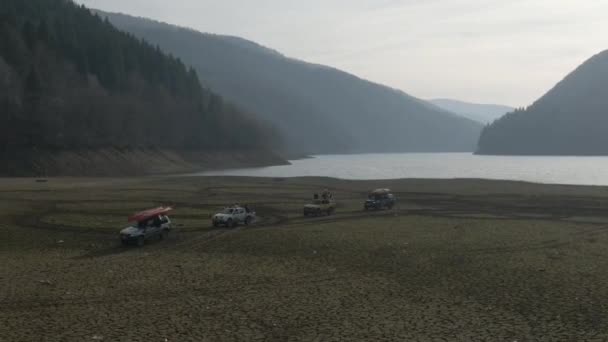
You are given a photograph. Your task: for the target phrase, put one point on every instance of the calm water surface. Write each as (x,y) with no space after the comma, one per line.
(556,170)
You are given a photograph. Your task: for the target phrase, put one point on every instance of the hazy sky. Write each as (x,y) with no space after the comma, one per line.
(495,51)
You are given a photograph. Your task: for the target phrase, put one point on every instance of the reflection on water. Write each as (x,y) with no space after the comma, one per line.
(557,170)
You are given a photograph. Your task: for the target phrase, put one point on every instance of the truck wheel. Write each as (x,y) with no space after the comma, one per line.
(164,235)
(230,223)
(248,221)
(141,241)
(124,242)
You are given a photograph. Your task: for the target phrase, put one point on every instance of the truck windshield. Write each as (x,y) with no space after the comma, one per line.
(228,211)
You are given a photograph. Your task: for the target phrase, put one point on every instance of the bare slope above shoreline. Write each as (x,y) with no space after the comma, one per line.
(129,162)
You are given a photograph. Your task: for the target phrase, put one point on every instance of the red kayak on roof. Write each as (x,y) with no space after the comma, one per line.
(148,214)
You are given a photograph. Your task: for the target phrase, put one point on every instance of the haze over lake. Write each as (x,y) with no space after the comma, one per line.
(552,170)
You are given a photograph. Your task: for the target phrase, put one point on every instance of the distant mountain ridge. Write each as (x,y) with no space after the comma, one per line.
(317,109)
(571,119)
(484,113)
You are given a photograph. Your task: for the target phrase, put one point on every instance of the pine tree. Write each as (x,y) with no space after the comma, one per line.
(83,83)
(29,34)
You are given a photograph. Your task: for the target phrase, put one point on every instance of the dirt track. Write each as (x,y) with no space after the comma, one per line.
(457,260)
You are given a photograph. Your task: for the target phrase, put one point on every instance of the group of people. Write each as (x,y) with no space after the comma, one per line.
(325,195)
(246,207)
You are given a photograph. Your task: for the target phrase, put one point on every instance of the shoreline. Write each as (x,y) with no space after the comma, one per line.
(415,185)
(474,179)
(115,162)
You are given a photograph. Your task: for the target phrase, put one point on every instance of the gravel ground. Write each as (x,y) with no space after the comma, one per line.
(455,261)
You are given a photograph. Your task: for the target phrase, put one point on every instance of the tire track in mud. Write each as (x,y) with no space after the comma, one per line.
(437,205)
(269,216)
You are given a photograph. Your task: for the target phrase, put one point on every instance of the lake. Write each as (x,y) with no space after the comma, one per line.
(552,170)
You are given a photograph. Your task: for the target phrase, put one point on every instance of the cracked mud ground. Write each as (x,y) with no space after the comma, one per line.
(455,261)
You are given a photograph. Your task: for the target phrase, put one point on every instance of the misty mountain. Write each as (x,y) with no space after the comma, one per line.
(70,80)
(571,119)
(317,109)
(484,113)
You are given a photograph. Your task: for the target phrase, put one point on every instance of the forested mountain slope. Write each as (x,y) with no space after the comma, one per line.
(571,119)
(484,113)
(318,109)
(70,80)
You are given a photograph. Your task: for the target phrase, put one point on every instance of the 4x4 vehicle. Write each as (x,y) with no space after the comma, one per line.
(380,199)
(233,216)
(153,223)
(321,205)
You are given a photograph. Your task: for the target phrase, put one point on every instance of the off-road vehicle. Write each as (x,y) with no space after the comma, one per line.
(321,205)
(380,199)
(149,224)
(233,216)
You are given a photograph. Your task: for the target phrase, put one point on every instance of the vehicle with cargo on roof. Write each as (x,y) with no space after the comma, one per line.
(380,199)
(148,224)
(321,205)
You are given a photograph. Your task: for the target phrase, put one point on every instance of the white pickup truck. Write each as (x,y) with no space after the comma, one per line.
(233,216)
